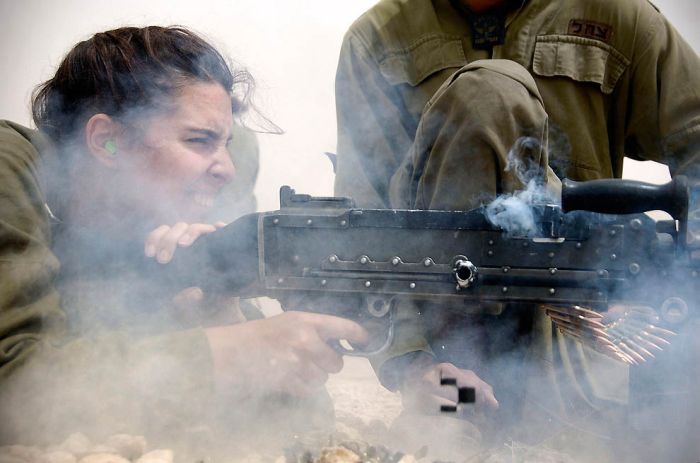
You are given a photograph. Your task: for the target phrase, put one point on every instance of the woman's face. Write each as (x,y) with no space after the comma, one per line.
(176,161)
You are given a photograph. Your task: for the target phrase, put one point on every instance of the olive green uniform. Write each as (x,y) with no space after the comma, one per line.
(631,92)
(425,120)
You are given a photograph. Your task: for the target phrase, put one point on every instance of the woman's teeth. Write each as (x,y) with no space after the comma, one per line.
(204,200)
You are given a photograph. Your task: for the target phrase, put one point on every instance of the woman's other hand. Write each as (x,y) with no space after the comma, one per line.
(162,242)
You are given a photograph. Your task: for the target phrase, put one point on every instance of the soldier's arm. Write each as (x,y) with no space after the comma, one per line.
(664,122)
(372,132)
(372,140)
(29,305)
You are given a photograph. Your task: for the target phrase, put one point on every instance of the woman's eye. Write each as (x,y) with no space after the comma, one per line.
(198,140)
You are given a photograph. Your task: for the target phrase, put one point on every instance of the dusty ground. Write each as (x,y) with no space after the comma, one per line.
(356,392)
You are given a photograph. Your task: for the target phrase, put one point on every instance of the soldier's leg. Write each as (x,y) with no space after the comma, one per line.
(460,157)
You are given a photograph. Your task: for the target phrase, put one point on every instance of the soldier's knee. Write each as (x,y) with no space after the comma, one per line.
(492,87)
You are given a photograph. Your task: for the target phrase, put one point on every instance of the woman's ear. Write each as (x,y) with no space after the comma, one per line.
(101,139)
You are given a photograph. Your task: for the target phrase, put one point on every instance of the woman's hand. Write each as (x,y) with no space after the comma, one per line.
(162,242)
(285,353)
(421,390)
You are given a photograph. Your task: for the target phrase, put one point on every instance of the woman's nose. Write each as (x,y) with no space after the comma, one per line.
(222,168)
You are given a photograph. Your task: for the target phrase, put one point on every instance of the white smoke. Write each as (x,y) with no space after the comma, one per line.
(513,212)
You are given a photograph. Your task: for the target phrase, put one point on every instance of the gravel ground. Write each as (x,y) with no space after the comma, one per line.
(356,392)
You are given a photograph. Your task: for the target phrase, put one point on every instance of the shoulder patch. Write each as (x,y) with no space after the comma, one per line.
(590,29)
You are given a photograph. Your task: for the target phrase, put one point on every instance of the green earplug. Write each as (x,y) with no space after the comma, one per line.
(111,147)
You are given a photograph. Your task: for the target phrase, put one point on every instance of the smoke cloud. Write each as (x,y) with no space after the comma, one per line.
(513,212)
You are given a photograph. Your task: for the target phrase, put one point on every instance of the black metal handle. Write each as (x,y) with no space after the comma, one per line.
(617,196)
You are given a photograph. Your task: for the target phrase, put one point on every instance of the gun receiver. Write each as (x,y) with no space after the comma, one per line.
(322,254)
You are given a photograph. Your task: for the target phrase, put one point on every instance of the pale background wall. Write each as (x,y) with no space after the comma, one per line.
(290,46)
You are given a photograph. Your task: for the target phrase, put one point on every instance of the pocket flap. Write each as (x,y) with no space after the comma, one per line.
(424,57)
(579,58)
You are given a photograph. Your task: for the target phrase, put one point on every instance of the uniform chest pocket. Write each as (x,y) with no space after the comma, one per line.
(424,57)
(579,58)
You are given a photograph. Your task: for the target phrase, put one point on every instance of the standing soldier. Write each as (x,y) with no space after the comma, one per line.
(431,96)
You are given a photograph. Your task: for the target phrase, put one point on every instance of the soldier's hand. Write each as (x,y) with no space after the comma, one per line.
(421,390)
(162,242)
(285,353)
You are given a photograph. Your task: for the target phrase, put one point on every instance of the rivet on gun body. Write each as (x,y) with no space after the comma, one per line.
(412,286)
(324,282)
(343,223)
(613,232)
(395,261)
(602,273)
(579,245)
(636,224)
(504,289)
(506,269)
(309,222)
(490,242)
(490,253)
(333,259)
(552,271)
(368,284)
(280,281)
(364,259)
(634,268)
(427,262)
(296,258)
(275,221)
(613,256)
(552,291)
(551,255)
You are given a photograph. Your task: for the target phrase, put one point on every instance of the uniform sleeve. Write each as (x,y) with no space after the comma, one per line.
(373,132)
(664,113)
(52,384)
(29,304)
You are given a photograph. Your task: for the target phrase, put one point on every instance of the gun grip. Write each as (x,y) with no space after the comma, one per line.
(616,196)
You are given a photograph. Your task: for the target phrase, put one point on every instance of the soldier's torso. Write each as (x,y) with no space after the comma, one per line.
(578,52)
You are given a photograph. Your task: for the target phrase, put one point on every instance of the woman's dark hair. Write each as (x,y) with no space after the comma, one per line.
(123,69)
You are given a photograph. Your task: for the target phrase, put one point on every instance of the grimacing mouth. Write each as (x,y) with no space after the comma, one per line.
(205,200)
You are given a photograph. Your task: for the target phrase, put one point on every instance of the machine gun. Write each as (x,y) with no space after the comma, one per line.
(322,254)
